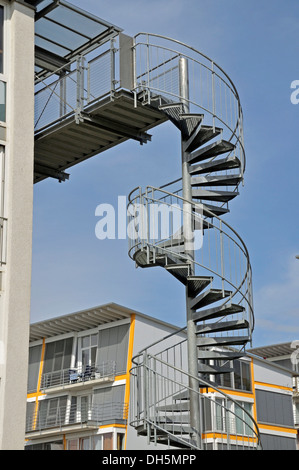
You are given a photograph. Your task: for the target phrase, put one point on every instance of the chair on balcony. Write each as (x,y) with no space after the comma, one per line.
(88,373)
(73,375)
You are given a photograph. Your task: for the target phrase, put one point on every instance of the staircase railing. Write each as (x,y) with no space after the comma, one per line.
(159,404)
(211,91)
(220,252)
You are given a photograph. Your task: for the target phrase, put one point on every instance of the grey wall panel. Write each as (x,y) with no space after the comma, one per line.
(274,408)
(55,349)
(34,364)
(113,346)
(270,442)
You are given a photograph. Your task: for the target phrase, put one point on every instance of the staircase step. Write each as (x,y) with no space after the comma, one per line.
(183,395)
(177,442)
(216,210)
(221,180)
(221,196)
(217,312)
(200,136)
(210,151)
(180,271)
(176,418)
(197,284)
(185,122)
(219,355)
(222,340)
(222,326)
(213,370)
(221,164)
(175,407)
(177,428)
(189,123)
(208,297)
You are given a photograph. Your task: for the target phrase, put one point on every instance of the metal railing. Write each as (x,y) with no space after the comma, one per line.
(159,403)
(70,415)
(221,252)
(155,73)
(78,375)
(90,81)
(211,91)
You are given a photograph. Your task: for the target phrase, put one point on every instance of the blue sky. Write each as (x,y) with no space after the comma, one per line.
(257,44)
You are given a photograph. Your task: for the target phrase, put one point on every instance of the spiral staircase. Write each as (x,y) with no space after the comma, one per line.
(177,400)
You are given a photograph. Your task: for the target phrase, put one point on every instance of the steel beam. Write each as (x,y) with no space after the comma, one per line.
(116,128)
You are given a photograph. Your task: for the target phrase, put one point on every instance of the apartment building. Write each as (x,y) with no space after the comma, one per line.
(81,395)
(286,355)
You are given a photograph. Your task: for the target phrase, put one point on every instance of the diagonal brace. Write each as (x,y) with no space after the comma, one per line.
(116,128)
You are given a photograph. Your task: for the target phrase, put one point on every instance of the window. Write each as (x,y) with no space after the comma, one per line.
(86,443)
(239,379)
(120,441)
(88,352)
(243,423)
(108,441)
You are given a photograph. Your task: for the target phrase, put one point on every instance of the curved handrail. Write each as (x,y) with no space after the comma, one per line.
(202,383)
(241,245)
(212,67)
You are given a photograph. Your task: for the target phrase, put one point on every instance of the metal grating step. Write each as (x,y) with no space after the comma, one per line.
(222,180)
(179,271)
(197,284)
(210,151)
(219,355)
(216,312)
(222,164)
(220,196)
(222,326)
(208,297)
(201,136)
(222,340)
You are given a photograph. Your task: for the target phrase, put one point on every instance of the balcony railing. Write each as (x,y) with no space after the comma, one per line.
(74,415)
(70,376)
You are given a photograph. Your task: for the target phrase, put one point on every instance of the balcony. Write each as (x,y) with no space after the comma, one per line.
(78,377)
(74,418)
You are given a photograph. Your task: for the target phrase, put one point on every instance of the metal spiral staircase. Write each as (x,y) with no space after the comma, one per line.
(96,103)
(175,404)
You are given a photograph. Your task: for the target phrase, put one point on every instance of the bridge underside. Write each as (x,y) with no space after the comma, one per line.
(100,127)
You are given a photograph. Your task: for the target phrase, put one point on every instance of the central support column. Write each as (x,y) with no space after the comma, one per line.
(188,232)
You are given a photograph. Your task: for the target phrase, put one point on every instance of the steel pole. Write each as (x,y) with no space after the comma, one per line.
(188,233)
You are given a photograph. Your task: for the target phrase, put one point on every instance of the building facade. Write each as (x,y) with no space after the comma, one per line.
(16,206)
(81,395)
(286,355)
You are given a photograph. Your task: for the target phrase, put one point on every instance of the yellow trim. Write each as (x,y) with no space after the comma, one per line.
(129,365)
(278,428)
(280,387)
(113,426)
(120,377)
(253,391)
(38,391)
(228,392)
(232,437)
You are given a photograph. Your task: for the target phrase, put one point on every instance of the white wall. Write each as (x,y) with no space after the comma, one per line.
(147,331)
(19,151)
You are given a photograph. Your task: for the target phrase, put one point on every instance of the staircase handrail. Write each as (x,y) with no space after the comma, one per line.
(243,248)
(202,383)
(212,67)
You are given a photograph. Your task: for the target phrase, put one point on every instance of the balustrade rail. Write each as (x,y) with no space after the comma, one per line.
(62,416)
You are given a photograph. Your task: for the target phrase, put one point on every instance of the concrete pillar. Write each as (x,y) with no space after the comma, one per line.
(16,286)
